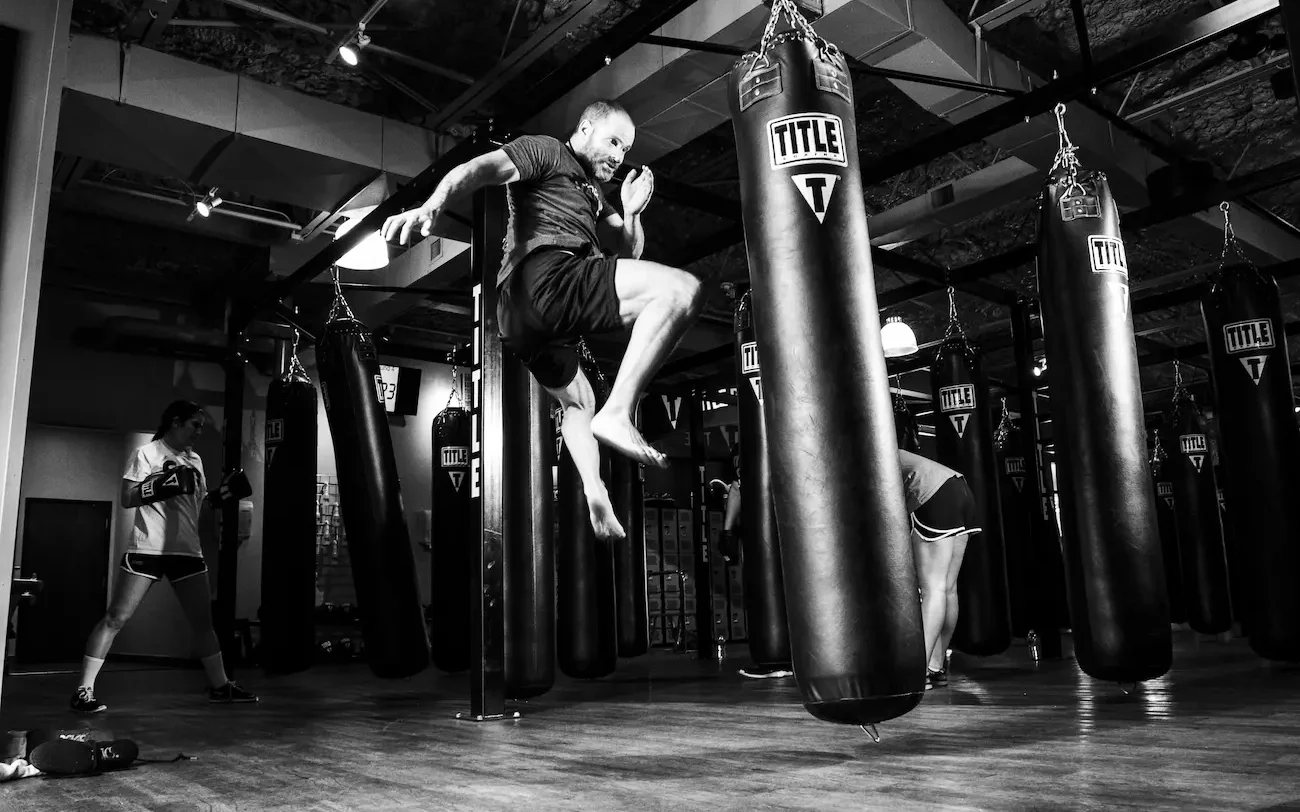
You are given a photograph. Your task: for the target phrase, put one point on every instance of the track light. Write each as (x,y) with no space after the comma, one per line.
(370,254)
(350,52)
(204,207)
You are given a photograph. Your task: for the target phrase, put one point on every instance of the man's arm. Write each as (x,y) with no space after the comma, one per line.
(492,169)
(630,235)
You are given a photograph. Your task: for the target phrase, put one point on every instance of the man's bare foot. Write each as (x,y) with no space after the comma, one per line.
(620,435)
(603,520)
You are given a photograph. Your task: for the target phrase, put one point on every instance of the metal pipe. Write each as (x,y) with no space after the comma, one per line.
(855,66)
(1274,63)
(197,23)
(289,19)
(1081,33)
(223,210)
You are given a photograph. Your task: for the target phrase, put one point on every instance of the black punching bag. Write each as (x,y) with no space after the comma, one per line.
(1260,451)
(846,556)
(586,607)
(289,524)
(1019,500)
(1111,542)
(1167,519)
(370,497)
(769,636)
(454,539)
(1200,533)
(963,432)
(626,491)
(528,539)
(909,433)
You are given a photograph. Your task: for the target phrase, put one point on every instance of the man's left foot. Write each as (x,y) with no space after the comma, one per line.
(619,434)
(230,693)
(604,520)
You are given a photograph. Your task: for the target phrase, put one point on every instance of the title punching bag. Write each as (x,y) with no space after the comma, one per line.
(454,537)
(769,636)
(370,497)
(627,492)
(289,524)
(963,433)
(1200,534)
(1119,612)
(528,540)
(1162,483)
(1260,451)
(586,606)
(1019,501)
(909,433)
(850,585)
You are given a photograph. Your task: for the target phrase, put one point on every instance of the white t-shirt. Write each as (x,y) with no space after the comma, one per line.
(922,478)
(172,525)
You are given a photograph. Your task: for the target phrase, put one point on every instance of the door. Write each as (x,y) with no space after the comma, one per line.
(66,544)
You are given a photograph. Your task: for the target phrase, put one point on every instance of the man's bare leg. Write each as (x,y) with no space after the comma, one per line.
(579,404)
(660,303)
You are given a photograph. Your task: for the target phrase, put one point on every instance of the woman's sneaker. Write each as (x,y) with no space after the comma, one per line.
(84,701)
(230,693)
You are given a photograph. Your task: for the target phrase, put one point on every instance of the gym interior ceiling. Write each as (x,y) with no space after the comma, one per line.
(444,66)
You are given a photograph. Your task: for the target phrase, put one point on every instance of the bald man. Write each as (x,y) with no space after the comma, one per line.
(558,283)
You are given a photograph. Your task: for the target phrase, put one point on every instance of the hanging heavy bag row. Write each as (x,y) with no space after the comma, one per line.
(850,587)
(379,543)
(1260,451)
(287,613)
(964,436)
(1118,609)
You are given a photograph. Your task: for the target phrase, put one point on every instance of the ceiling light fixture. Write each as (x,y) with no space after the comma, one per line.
(370,254)
(897,338)
(350,52)
(204,207)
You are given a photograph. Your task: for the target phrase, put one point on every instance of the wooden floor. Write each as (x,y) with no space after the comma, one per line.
(1221,731)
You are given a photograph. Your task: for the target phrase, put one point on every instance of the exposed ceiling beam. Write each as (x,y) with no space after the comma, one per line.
(149,22)
(517,63)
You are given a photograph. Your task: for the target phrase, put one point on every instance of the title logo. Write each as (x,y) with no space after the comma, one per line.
(807,138)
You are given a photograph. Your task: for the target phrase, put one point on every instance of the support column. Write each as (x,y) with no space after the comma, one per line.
(232,453)
(705,631)
(487,614)
(33,58)
(1043,540)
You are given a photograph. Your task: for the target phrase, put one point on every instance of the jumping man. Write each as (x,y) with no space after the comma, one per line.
(557,284)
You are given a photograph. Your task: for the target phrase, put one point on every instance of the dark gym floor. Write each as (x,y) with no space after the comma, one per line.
(670,732)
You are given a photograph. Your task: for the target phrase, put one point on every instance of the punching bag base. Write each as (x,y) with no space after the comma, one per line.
(1128,672)
(391,670)
(526,692)
(864,711)
(1283,652)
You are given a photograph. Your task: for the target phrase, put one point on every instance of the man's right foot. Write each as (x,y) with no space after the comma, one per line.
(603,520)
(619,434)
(84,701)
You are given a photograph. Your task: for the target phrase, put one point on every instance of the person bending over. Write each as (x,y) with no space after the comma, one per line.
(557,283)
(164,481)
(943,520)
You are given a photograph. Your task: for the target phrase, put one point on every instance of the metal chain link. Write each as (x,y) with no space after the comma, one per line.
(1005,427)
(1065,156)
(340,305)
(800,24)
(954,323)
(1230,238)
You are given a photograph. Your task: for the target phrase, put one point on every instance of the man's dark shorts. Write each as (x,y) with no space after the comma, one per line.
(552,299)
(950,512)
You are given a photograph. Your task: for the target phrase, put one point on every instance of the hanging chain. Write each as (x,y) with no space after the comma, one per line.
(339,308)
(954,323)
(454,394)
(1230,238)
(1179,390)
(295,365)
(1065,156)
(1005,427)
(800,24)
